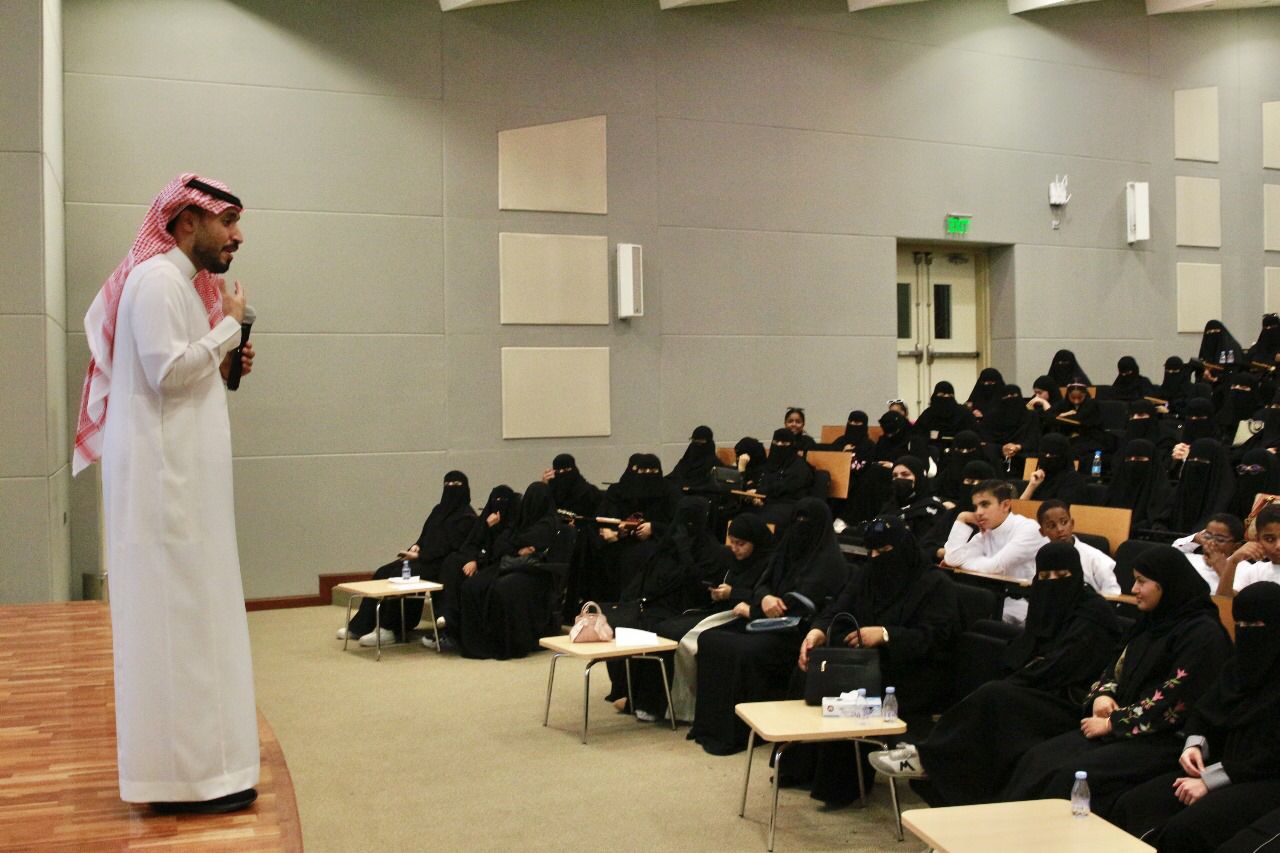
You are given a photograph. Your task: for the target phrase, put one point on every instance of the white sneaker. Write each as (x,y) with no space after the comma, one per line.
(446,644)
(903,762)
(371,639)
(644,716)
(342,634)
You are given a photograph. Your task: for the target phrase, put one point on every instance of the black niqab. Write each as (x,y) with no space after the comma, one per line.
(1219,346)
(1205,487)
(1064,368)
(987,390)
(1248,689)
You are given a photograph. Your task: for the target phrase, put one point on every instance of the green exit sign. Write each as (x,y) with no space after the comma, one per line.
(958,223)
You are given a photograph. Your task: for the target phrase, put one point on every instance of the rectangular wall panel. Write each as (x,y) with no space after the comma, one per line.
(1199,295)
(1271,286)
(1199,212)
(559,167)
(1195,124)
(555,392)
(1271,217)
(550,279)
(1271,135)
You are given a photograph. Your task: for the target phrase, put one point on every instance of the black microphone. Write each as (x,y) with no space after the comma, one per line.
(246,326)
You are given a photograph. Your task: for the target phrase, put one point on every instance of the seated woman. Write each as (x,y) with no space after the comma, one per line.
(986,392)
(1138,483)
(1257,474)
(570,490)
(751,458)
(1239,403)
(1145,422)
(505,605)
(855,439)
(645,502)
(967,447)
(1132,715)
(1174,385)
(1230,763)
(1070,637)
(924,513)
(1011,431)
(1064,368)
(750,667)
(1218,346)
(459,568)
(1268,438)
(693,472)
(1055,475)
(1129,383)
(793,422)
(787,478)
(906,609)
(897,440)
(943,418)
(1204,488)
(1045,394)
(1079,418)
(1266,349)
(686,562)
(444,531)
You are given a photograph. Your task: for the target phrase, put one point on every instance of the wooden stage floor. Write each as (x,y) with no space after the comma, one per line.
(58,785)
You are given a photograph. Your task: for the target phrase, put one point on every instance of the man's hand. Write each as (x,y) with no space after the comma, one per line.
(812,640)
(1188,790)
(246,361)
(773,606)
(469,568)
(233,301)
(1095,727)
(967,518)
(1249,551)
(1192,761)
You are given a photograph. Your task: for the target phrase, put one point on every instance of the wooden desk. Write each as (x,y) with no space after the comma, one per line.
(1008,580)
(1046,826)
(836,463)
(593,653)
(792,721)
(384,589)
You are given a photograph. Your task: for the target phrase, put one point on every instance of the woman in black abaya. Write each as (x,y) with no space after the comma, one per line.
(1071,635)
(459,568)
(1079,418)
(966,448)
(1129,383)
(1133,713)
(505,611)
(1138,483)
(986,391)
(1239,403)
(1267,346)
(641,496)
(751,458)
(787,477)
(570,489)
(572,493)
(1065,369)
(1055,475)
(1219,346)
(1144,422)
(943,418)
(1205,487)
(855,438)
(924,513)
(1011,431)
(1230,764)
(908,611)
(1257,473)
(1176,382)
(750,667)
(1269,435)
(443,532)
(693,472)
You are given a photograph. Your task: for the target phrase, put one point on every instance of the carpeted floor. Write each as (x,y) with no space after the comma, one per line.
(427,751)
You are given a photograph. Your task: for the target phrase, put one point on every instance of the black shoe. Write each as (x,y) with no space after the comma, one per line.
(221,805)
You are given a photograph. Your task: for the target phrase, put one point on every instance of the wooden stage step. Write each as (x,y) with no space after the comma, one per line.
(58,785)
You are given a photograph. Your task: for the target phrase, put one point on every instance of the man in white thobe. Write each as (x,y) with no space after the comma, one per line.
(162,331)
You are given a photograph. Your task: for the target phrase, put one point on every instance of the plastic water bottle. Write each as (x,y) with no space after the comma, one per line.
(1096,470)
(405,571)
(1222,357)
(1080,795)
(866,709)
(889,705)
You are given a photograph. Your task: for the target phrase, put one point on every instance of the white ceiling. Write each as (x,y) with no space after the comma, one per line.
(1154,7)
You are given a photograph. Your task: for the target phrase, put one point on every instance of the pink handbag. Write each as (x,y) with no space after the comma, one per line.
(590,626)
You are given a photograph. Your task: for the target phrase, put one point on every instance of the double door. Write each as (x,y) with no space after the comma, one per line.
(941,321)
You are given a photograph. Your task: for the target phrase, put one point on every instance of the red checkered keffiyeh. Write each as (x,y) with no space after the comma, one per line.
(100,321)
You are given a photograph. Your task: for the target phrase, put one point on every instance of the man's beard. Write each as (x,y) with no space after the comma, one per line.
(209,257)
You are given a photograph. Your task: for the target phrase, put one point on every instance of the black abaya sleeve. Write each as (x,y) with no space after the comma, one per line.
(1070,665)
(930,629)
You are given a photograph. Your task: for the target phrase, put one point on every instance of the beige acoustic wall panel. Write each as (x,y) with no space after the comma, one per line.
(555,392)
(1271,135)
(560,167)
(1195,124)
(551,279)
(1199,295)
(1271,288)
(1271,217)
(1199,213)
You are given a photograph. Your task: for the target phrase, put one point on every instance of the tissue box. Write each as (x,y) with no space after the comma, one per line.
(834,706)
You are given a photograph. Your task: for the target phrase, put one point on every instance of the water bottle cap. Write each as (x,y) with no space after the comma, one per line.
(1080,774)
(889,690)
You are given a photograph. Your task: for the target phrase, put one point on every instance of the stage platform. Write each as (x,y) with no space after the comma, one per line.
(58,786)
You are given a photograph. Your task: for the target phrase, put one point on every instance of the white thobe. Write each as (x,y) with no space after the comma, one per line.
(1191,550)
(1259,572)
(186,723)
(1099,569)
(1009,550)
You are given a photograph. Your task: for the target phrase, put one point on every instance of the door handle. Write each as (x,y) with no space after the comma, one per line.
(934,354)
(917,354)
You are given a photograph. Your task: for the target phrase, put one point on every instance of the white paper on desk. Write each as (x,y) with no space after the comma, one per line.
(634,637)
(400,580)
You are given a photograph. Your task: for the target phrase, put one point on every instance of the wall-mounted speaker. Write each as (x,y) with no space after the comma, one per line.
(630,280)
(1137,200)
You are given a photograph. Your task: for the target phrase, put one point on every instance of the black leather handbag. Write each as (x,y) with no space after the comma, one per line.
(836,669)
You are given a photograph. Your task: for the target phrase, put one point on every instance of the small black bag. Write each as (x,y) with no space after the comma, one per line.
(519,562)
(624,614)
(838,669)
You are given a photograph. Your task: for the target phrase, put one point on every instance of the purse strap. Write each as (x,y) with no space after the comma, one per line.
(589,606)
(831,634)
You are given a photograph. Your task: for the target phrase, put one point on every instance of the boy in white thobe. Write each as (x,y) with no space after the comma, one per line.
(155,411)
(994,540)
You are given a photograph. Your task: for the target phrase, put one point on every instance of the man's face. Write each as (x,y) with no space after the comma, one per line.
(216,239)
(1057,525)
(989,512)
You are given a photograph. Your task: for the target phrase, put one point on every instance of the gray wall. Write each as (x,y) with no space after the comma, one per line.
(34,473)
(767,153)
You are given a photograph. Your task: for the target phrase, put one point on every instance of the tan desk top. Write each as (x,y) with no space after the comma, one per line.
(793,721)
(1045,826)
(387,589)
(600,651)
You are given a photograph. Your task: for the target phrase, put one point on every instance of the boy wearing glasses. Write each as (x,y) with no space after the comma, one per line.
(1209,550)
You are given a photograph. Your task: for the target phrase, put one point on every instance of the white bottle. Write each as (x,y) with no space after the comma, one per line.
(1080,795)
(859,703)
(889,706)
(405,571)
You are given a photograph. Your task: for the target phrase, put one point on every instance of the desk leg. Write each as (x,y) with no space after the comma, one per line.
(551,679)
(586,697)
(746,778)
(862,782)
(631,702)
(347,636)
(377,626)
(666,688)
(404,628)
(777,774)
(435,629)
(897,811)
